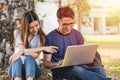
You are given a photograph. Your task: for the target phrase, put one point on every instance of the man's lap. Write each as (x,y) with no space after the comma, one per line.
(73,72)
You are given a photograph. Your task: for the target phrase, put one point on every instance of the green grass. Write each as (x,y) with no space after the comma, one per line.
(112,66)
(102,38)
(109,48)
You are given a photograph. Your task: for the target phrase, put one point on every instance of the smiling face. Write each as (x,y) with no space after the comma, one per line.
(65,25)
(34,27)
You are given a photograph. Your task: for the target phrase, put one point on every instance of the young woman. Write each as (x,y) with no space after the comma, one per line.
(29,42)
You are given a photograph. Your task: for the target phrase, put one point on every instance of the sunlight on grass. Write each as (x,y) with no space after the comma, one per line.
(102,38)
(109,49)
(112,66)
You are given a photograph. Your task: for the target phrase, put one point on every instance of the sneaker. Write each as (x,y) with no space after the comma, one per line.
(112,79)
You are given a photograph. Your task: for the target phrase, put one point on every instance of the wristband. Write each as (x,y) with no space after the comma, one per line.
(23,54)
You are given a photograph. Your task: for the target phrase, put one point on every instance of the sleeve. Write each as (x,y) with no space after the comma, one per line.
(81,41)
(80,38)
(18,39)
(48,43)
(15,33)
(17,36)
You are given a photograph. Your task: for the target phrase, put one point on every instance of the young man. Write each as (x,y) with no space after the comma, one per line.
(65,36)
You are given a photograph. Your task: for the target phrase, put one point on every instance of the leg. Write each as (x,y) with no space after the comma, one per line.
(62,73)
(31,68)
(37,70)
(77,72)
(15,69)
(23,73)
(84,74)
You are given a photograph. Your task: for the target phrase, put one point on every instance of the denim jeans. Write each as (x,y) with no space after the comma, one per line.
(78,73)
(30,68)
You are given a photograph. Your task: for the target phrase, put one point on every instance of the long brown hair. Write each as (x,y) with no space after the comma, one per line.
(26,19)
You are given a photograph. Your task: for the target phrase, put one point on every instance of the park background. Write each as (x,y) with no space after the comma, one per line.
(98,20)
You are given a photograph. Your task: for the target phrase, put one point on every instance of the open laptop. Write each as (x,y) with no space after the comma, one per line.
(79,54)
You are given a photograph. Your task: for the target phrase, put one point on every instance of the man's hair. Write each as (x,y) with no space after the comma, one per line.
(65,12)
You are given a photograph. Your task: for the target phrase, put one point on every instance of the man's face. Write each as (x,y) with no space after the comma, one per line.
(34,27)
(65,25)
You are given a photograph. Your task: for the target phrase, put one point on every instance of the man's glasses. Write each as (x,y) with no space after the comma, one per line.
(68,24)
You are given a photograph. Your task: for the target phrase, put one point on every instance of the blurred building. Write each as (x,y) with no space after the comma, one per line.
(100,10)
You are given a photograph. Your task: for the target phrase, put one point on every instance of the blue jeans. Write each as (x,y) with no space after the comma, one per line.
(30,68)
(78,73)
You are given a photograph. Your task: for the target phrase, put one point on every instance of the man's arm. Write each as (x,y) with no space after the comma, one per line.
(47,61)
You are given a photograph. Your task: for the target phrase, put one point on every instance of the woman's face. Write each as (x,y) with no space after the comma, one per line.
(34,28)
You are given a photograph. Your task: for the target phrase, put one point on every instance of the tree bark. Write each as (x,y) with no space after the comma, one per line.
(10,10)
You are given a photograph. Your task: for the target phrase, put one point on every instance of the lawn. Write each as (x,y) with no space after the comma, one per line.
(109,49)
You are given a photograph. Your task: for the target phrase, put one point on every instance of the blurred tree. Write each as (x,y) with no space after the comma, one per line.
(116,16)
(114,19)
(10,10)
(81,9)
(60,3)
(41,0)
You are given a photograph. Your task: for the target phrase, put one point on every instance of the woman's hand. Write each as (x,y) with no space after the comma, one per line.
(50,49)
(14,57)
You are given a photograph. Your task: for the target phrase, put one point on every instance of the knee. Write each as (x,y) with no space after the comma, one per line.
(19,61)
(29,57)
(78,69)
(101,72)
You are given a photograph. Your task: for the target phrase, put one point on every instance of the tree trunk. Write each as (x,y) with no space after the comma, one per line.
(60,3)
(10,10)
(79,14)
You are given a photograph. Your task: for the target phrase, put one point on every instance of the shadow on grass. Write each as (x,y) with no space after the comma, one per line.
(44,76)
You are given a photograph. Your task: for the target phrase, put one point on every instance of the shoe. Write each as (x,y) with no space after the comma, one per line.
(112,79)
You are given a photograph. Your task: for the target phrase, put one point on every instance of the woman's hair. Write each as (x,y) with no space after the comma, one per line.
(26,19)
(65,12)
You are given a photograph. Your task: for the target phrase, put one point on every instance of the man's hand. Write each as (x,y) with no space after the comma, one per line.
(60,62)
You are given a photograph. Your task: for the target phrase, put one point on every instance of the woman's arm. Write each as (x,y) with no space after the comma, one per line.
(36,51)
(51,49)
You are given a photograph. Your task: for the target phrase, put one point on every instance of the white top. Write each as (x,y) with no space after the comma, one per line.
(35,42)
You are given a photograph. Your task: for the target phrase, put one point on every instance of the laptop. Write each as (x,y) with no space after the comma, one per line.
(79,54)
